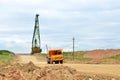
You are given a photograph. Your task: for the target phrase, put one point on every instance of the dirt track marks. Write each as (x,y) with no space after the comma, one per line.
(27,58)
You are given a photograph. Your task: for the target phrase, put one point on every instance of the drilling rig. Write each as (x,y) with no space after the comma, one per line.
(36,48)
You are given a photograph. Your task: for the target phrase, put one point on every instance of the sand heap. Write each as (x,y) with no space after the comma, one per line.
(52,72)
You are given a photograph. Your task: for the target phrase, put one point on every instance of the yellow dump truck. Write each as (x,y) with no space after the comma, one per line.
(55,56)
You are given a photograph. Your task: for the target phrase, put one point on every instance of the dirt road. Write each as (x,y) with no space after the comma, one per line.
(30,58)
(107,69)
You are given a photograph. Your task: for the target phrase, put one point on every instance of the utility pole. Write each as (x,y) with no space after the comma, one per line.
(73,47)
(46,48)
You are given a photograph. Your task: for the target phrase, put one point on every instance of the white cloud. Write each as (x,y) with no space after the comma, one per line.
(16,43)
(92,22)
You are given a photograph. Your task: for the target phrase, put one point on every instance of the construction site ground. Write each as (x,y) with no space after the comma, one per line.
(34,67)
(99,69)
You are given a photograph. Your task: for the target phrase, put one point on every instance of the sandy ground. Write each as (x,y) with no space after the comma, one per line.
(31,58)
(107,69)
(35,67)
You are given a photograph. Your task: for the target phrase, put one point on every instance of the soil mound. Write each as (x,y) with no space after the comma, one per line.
(51,72)
(97,55)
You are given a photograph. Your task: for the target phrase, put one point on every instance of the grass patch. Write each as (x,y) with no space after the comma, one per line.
(77,56)
(117,57)
(44,55)
(6,56)
(83,59)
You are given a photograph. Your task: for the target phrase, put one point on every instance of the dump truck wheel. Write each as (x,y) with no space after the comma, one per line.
(56,62)
(48,62)
(61,62)
(51,62)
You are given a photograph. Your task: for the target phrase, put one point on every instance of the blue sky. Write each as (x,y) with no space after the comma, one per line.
(95,24)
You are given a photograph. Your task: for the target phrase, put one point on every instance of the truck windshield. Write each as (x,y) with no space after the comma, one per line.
(55,52)
(59,52)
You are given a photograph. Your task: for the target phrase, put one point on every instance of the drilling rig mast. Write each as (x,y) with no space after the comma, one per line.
(36,48)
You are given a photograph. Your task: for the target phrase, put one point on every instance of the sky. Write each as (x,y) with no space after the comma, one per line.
(95,24)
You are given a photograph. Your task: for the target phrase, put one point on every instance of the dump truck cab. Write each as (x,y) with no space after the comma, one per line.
(55,56)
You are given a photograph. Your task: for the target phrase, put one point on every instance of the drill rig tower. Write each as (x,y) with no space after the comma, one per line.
(36,48)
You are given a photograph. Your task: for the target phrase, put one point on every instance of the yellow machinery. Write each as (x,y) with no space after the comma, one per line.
(55,56)
(36,50)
